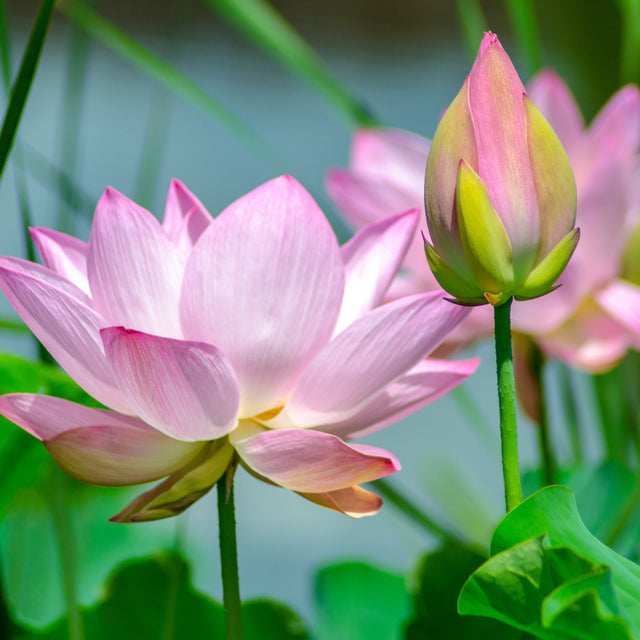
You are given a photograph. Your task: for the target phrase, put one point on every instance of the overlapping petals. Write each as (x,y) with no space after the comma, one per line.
(584,322)
(250,338)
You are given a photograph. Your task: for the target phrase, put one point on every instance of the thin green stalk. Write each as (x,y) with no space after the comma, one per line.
(611,416)
(78,57)
(630,41)
(507,404)
(22,85)
(417,515)
(261,24)
(165,74)
(66,550)
(523,21)
(547,456)
(229,557)
(473,24)
(570,405)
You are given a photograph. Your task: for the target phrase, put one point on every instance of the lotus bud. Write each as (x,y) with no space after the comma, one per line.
(500,193)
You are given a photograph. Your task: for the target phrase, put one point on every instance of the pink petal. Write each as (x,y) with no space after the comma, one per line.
(590,340)
(310,461)
(65,255)
(182,204)
(372,259)
(392,155)
(352,501)
(424,384)
(60,316)
(367,356)
(135,271)
(497,113)
(617,125)
(621,299)
(186,390)
(265,284)
(550,94)
(363,199)
(95,445)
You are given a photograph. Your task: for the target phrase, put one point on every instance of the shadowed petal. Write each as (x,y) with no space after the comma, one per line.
(352,501)
(264,284)
(309,461)
(98,446)
(187,390)
(372,259)
(134,269)
(59,315)
(65,255)
(369,354)
(181,489)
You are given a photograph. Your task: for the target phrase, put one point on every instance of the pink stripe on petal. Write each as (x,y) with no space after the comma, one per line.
(264,283)
(59,315)
(497,112)
(65,255)
(186,390)
(135,271)
(368,355)
(354,502)
(424,384)
(372,259)
(310,461)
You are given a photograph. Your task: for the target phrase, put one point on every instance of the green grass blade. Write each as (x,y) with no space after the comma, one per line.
(473,24)
(267,29)
(162,72)
(630,45)
(523,22)
(48,174)
(5,47)
(76,72)
(23,82)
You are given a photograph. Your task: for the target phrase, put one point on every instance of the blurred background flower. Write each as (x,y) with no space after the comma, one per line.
(132,97)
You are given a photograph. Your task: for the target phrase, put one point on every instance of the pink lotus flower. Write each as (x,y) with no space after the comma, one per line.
(253,336)
(590,320)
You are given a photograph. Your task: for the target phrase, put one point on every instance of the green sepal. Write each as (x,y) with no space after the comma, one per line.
(182,488)
(485,241)
(540,280)
(450,281)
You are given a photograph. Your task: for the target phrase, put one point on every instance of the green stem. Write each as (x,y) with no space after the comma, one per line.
(549,464)
(66,549)
(507,403)
(22,85)
(229,557)
(417,515)
(571,413)
(76,72)
(523,22)
(473,24)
